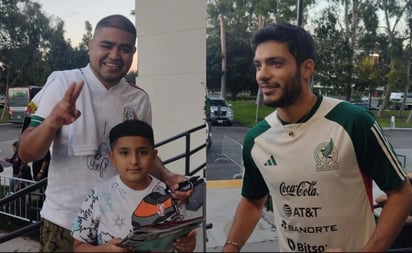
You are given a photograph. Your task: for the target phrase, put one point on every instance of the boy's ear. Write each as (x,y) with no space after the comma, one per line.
(154,153)
(110,153)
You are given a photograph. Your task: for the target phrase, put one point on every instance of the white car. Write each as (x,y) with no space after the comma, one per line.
(397,98)
(220,111)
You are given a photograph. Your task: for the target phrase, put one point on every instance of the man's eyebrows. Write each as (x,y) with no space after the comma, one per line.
(111,43)
(270,58)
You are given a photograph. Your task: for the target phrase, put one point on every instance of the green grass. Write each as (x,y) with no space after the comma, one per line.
(6,116)
(245,114)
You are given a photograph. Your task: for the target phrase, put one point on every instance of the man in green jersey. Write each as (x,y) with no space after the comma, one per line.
(317,157)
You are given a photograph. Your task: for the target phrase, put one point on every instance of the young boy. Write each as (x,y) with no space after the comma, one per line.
(105,216)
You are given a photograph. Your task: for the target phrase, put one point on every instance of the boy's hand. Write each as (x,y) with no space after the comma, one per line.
(112,246)
(188,243)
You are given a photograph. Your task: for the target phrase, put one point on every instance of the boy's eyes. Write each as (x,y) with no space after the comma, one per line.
(124,152)
(140,152)
(143,152)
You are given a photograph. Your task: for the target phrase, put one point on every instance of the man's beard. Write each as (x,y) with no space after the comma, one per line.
(291,92)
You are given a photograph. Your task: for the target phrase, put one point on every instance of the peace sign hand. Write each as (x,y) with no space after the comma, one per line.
(65,112)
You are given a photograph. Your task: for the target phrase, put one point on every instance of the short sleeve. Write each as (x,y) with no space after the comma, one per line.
(86,223)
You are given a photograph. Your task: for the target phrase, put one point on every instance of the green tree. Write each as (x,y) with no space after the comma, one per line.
(334,53)
(242,18)
(22,30)
(213,61)
(393,11)
(31,47)
(131,77)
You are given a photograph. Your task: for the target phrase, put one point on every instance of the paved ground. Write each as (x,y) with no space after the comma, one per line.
(19,244)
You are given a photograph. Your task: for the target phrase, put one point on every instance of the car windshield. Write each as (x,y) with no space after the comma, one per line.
(217,102)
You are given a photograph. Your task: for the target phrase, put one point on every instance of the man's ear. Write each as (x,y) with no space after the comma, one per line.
(306,69)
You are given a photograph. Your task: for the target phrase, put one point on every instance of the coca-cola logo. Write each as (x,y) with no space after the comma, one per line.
(302,189)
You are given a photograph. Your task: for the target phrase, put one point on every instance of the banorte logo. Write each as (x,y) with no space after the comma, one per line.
(302,189)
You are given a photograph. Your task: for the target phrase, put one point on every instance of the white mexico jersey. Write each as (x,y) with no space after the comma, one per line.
(319,174)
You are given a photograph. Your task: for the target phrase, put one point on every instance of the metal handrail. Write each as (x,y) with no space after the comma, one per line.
(42,183)
(29,189)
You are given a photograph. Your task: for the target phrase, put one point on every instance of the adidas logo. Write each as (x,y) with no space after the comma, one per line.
(271,161)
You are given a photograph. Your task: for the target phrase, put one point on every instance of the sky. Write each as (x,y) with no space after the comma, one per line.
(75,13)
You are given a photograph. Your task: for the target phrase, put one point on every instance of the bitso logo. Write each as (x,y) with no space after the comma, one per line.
(326,156)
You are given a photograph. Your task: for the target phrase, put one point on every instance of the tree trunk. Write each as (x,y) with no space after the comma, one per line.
(7,94)
(223,47)
(385,102)
(408,76)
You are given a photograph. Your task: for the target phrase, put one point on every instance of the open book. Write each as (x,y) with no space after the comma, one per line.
(159,237)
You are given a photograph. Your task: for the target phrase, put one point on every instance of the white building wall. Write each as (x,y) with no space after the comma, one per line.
(172,69)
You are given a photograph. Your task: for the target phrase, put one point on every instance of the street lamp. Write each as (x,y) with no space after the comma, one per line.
(299,12)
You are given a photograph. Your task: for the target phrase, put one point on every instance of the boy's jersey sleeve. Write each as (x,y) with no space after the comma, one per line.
(86,223)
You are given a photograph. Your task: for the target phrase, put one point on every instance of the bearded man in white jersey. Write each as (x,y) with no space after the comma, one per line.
(316,157)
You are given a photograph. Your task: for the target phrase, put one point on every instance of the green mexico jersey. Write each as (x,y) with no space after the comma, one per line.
(319,173)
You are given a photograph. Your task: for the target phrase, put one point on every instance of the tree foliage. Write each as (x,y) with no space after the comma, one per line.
(33,44)
(361,46)
(394,11)
(242,18)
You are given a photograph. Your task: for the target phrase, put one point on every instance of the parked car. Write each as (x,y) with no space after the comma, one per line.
(220,111)
(362,104)
(396,98)
(2,100)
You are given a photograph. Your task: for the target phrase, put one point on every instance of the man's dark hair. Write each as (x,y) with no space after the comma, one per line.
(131,128)
(299,42)
(117,21)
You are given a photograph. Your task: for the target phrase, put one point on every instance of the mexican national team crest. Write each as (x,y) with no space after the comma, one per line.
(326,156)
(129,114)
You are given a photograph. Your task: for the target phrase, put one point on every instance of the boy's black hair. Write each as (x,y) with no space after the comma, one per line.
(117,21)
(299,42)
(131,128)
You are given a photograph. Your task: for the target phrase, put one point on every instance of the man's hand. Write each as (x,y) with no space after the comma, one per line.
(173,180)
(187,243)
(39,176)
(65,112)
